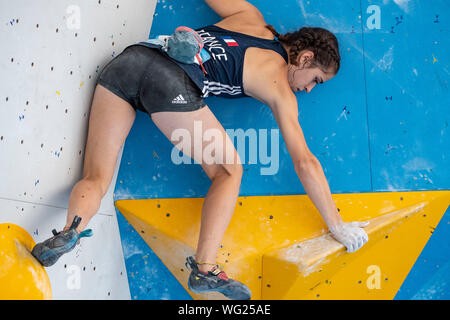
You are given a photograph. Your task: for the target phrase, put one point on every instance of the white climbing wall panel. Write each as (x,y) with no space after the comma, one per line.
(52,53)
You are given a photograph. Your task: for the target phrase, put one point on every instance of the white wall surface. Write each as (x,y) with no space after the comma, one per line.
(49,64)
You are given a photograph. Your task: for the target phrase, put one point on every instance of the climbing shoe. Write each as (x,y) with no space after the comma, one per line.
(215,280)
(49,251)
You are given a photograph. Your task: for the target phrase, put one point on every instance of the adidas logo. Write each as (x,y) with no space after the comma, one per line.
(179,100)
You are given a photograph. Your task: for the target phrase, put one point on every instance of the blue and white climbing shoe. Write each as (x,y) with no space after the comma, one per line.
(49,251)
(215,280)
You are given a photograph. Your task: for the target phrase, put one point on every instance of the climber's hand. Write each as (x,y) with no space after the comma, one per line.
(350,234)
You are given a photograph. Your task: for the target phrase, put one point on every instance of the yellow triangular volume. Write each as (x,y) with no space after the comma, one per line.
(280,248)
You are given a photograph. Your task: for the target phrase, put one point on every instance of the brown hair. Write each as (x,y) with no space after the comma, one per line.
(320,41)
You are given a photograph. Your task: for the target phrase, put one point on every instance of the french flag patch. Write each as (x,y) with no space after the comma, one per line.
(230,42)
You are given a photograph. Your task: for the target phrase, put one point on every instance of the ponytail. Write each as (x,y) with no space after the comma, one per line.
(272,29)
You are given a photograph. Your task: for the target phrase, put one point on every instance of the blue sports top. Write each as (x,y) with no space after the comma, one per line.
(223,58)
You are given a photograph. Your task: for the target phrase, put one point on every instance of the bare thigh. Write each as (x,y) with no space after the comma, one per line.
(203,121)
(110,121)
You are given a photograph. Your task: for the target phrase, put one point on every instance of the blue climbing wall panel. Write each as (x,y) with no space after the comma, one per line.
(380,125)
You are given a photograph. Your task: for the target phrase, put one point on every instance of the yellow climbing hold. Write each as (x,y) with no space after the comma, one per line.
(21,276)
(434,59)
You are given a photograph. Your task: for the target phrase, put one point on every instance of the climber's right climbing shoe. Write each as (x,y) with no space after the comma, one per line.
(215,280)
(49,251)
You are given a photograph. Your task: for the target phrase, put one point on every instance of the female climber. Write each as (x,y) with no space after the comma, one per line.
(247,57)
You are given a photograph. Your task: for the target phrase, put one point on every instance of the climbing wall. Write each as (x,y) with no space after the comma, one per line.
(52,52)
(379,129)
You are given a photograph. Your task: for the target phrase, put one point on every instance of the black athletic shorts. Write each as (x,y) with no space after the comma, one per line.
(150,82)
